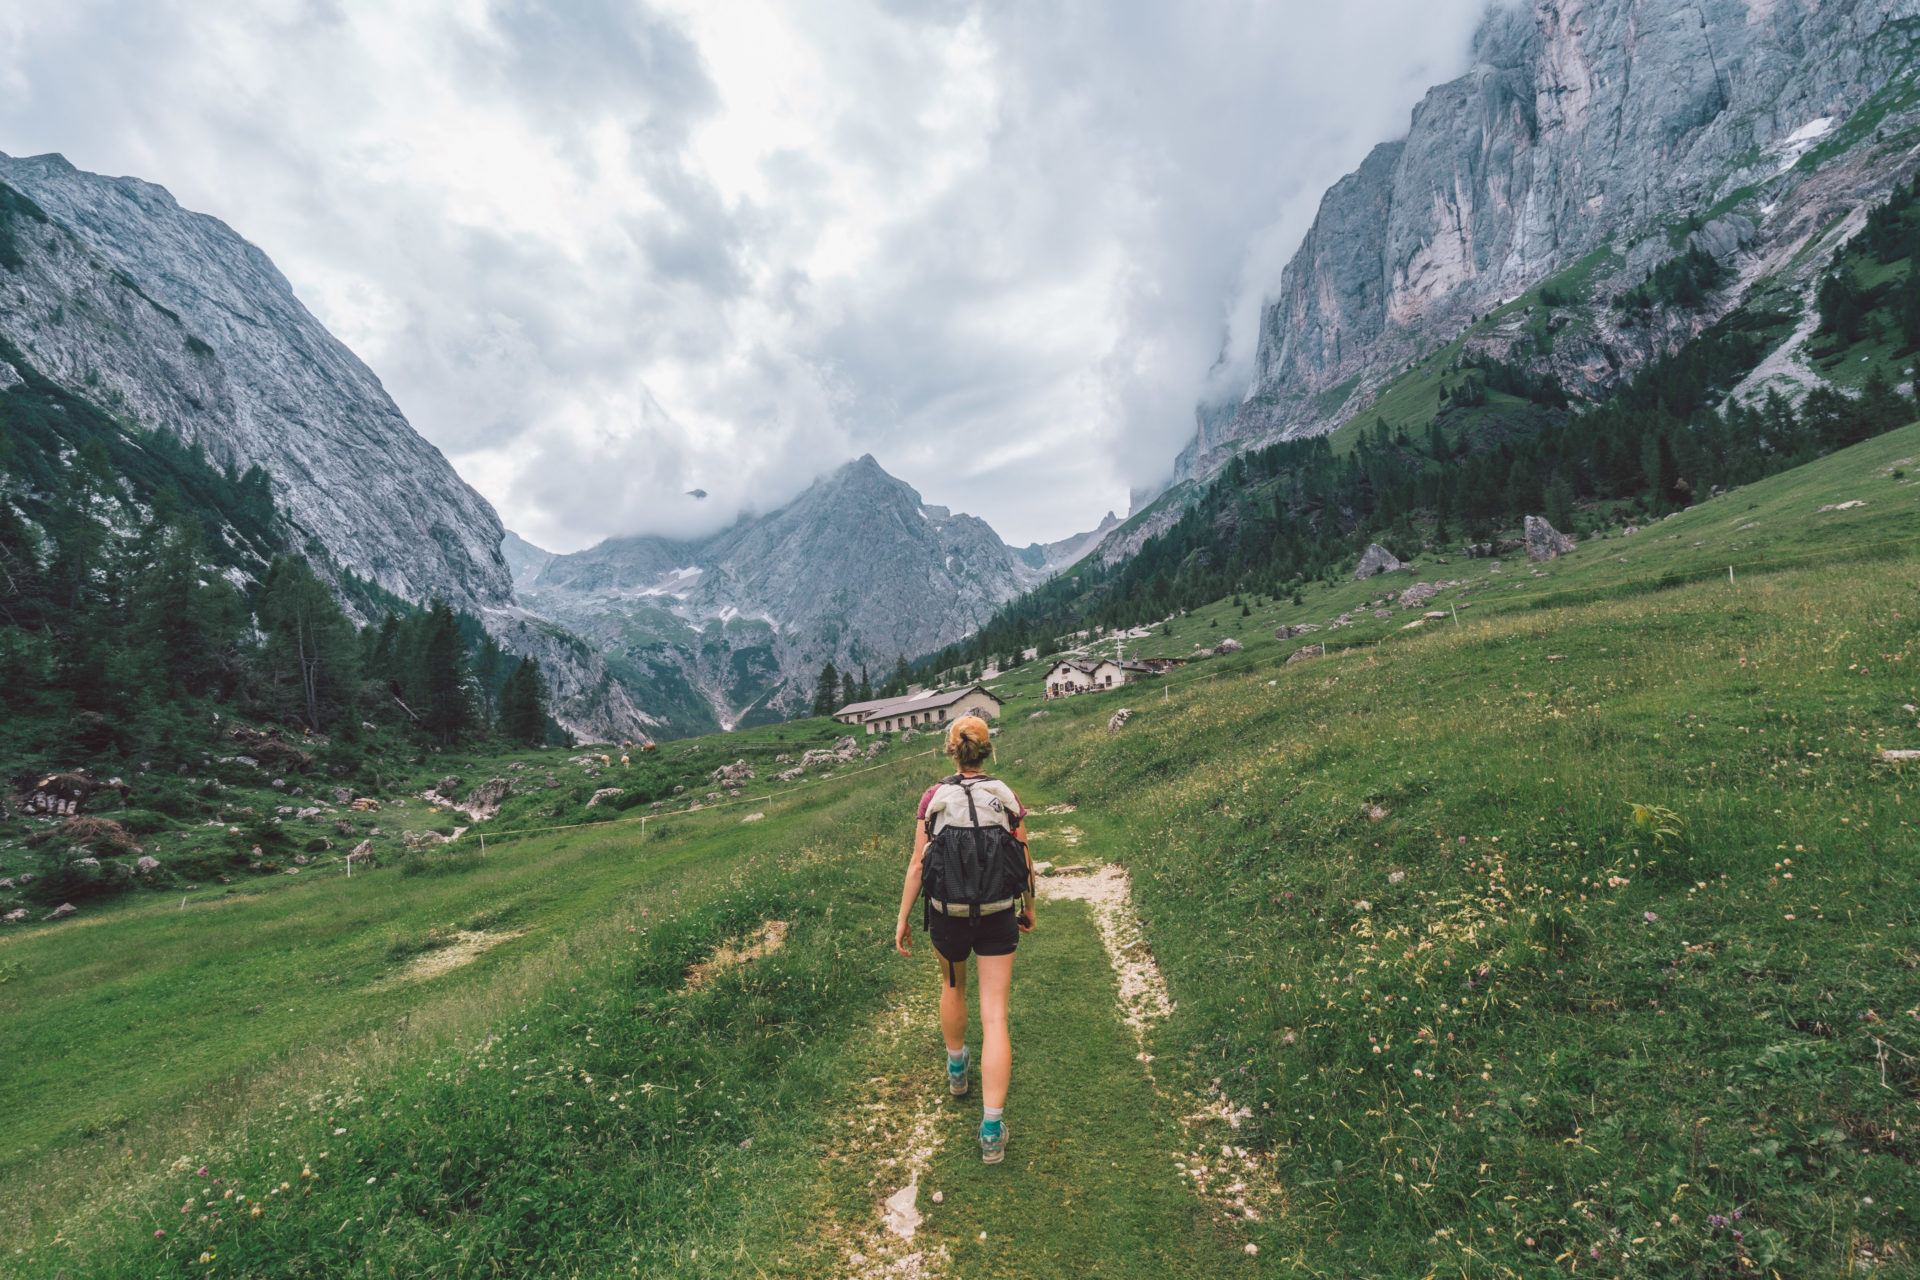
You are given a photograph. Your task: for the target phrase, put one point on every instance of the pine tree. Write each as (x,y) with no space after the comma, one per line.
(1842,310)
(311,657)
(826,696)
(523,704)
(865,692)
(1910,308)
(442,677)
(490,672)
(1559,503)
(1880,408)
(194,627)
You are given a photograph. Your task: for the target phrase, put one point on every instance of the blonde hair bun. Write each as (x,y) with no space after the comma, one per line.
(969,741)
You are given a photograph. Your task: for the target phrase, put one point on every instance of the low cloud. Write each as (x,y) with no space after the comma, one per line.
(602,253)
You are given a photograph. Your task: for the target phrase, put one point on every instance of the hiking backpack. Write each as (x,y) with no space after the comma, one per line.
(971,864)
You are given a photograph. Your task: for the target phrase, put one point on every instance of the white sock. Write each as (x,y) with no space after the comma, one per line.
(956,1056)
(991,1115)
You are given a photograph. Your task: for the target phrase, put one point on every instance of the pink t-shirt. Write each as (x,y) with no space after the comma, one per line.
(1019,811)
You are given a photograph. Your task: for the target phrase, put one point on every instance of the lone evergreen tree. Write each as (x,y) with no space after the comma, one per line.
(827,694)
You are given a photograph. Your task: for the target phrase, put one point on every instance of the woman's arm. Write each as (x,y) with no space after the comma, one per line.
(903,931)
(1020,834)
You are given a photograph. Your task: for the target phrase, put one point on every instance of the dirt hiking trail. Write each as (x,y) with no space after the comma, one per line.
(1107,1174)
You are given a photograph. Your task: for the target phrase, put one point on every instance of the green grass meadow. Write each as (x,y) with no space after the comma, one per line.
(1577,932)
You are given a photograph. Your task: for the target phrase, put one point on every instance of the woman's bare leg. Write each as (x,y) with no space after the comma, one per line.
(953,1004)
(996,1051)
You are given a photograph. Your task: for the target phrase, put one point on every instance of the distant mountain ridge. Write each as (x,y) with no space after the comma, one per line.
(1057,557)
(733,629)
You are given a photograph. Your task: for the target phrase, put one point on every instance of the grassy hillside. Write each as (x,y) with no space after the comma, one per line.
(1577,936)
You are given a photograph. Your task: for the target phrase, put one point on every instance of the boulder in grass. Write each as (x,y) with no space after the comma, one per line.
(147,865)
(15,916)
(1306,651)
(362,853)
(61,912)
(1543,541)
(1227,646)
(732,775)
(1118,720)
(484,801)
(1376,559)
(605,793)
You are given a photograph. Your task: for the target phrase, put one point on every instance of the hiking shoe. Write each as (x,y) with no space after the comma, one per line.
(957,1076)
(993,1141)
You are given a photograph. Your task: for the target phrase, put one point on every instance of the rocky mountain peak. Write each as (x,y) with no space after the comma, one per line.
(733,628)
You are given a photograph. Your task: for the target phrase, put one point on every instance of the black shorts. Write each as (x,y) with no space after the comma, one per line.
(957,937)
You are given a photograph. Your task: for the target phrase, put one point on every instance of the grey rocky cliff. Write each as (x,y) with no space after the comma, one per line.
(733,629)
(172,321)
(267,384)
(1585,127)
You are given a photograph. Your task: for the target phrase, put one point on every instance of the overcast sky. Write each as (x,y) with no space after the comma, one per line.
(604,251)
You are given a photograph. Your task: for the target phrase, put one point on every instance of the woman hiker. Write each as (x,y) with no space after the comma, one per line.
(970,857)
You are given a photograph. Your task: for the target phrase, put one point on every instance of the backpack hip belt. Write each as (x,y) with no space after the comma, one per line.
(964,909)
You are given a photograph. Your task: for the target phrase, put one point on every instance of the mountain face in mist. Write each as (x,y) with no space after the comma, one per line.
(171,320)
(734,628)
(1592,141)
(1057,557)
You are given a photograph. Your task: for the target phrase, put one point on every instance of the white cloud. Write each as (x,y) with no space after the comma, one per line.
(602,253)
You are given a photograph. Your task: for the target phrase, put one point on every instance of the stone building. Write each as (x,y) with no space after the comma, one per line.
(920,710)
